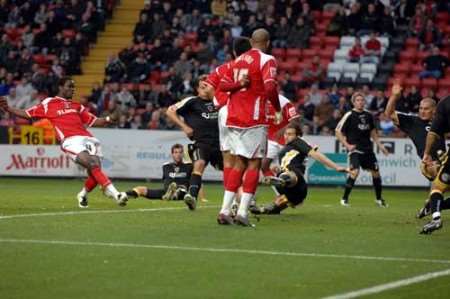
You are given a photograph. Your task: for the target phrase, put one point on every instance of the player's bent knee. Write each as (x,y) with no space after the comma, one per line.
(141,190)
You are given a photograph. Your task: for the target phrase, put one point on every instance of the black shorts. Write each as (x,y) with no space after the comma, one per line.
(207,152)
(442,179)
(296,194)
(367,161)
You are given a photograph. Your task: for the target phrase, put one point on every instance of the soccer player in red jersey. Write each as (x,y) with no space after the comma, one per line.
(69,119)
(247,121)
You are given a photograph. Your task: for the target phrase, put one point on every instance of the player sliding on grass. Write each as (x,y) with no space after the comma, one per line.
(176,176)
(289,180)
(417,127)
(69,120)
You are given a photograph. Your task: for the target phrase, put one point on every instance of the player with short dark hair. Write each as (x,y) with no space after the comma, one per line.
(197,117)
(290,181)
(355,131)
(417,127)
(70,119)
(176,176)
(441,184)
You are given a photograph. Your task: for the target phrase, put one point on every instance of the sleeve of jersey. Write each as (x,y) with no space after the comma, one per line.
(182,106)
(439,121)
(36,111)
(289,112)
(87,118)
(227,83)
(404,120)
(269,75)
(304,146)
(343,123)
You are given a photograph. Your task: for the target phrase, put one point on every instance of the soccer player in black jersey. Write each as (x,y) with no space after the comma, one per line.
(439,127)
(290,181)
(176,176)
(417,127)
(197,117)
(355,131)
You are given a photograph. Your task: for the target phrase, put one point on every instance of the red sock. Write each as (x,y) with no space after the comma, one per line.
(250,181)
(226,174)
(90,183)
(234,180)
(100,177)
(268,172)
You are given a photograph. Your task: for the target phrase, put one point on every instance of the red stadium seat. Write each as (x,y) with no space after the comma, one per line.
(402,68)
(416,68)
(69,33)
(317,15)
(442,17)
(408,55)
(421,55)
(40,59)
(293,53)
(332,41)
(444,83)
(327,53)
(310,53)
(315,42)
(412,43)
(279,53)
(396,78)
(328,15)
(429,83)
(443,92)
(412,81)
(287,67)
(297,77)
(322,27)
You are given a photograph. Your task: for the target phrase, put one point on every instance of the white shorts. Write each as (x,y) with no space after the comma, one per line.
(224,130)
(77,144)
(249,142)
(273,149)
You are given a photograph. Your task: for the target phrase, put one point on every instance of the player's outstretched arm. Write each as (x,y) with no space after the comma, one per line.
(103,121)
(390,107)
(377,141)
(318,156)
(17,112)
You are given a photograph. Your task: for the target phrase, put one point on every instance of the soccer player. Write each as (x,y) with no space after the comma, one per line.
(355,131)
(197,117)
(69,119)
(176,176)
(247,121)
(439,127)
(289,180)
(417,127)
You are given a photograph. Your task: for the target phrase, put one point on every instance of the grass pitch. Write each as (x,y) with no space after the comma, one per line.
(49,248)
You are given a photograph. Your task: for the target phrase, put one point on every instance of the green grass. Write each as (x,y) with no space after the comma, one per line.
(320,226)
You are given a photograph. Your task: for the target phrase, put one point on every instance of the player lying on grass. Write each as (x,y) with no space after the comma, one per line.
(417,127)
(197,117)
(69,119)
(290,181)
(176,176)
(441,184)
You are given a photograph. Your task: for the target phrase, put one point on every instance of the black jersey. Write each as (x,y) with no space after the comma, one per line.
(417,129)
(356,127)
(441,120)
(178,173)
(293,155)
(201,116)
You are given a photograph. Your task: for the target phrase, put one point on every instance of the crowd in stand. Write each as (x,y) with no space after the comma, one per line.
(175,41)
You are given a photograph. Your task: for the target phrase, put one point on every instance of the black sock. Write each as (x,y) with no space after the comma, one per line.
(195,184)
(436,199)
(377,186)
(348,187)
(154,194)
(132,193)
(445,205)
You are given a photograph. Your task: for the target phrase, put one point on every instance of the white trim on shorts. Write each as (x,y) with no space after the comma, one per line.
(273,149)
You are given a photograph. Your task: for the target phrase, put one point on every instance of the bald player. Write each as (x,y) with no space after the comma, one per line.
(247,121)
(417,128)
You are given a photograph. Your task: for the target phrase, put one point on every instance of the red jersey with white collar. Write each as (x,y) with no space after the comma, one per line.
(289,113)
(247,107)
(67,117)
(213,79)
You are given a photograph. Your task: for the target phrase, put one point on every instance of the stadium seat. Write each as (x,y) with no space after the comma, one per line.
(411,81)
(430,83)
(368,76)
(416,68)
(346,82)
(327,53)
(336,67)
(368,68)
(402,68)
(297,78)
(384,41)
(347,41)
(361,81)
(379,82)
(351,70)
(341,54)
(444,83)
(293,53)
(421,55)
(310,53)
(336,75)
(331,41)
(442,17)
(412,43)
(328,82)
(286,66)
(315,42)
(408,55)
(328,15)
(279,53)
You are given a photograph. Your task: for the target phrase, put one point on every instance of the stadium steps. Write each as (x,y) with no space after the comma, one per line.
(118,34)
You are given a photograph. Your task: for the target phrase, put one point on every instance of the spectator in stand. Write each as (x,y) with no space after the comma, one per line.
(334,95)
(307,109)
(288,87)
(192,21)
(139,69)
(404,10)
(378,104)
(344,104)
(418,21)
(354,19)
(147,114)
(315,95)
(368,96)
(24,88)
(430,36)
(299,34)
(183,65)
(158,26)
(386,125)
(125,98)
(123,122)
(315,73)
(281,33)
(372,51)
(236,28)
(334,120)
(322,113)
(6,120)
(357,51)
(386,23)
(219,7)
(136,123)
(115,69)
(338,24)
(434,64)
(113,112)
(369,21)
(142,30)
(413,98)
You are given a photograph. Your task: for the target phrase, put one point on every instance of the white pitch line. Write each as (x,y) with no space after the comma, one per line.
(227,250)
(69,213)
(391,285)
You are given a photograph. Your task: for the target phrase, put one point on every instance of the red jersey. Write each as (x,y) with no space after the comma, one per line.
(67,117)
(289,113)
(214,78)
(247,107)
